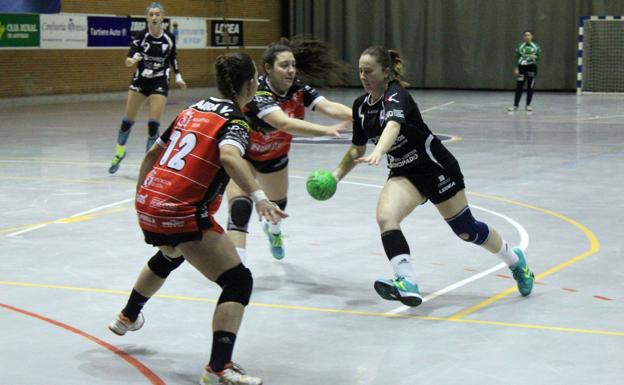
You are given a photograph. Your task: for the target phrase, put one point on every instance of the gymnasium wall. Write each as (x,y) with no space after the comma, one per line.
(461,44)
(26,72)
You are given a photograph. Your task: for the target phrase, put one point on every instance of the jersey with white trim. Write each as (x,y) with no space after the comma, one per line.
(415,146)
(158,53)
(186,184)
(527,53)
(266,142)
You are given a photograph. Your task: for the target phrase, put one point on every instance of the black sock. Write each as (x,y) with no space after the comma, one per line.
(222,348)
(134,305)
(394,243)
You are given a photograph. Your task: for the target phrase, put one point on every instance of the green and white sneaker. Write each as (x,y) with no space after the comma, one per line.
(115,163)
(275,242)
(522,274)
(399,289)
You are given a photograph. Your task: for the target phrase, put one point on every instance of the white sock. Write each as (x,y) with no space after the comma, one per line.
(275,228)
(507,255)
(242,254)
(402,266)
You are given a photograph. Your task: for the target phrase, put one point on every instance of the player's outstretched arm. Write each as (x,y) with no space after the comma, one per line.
(348,161)
(238,169)
(279,120)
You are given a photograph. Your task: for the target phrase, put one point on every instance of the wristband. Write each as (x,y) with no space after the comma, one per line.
(178,78)
(258,196)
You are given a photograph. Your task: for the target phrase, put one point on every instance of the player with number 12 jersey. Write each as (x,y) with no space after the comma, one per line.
(184,189)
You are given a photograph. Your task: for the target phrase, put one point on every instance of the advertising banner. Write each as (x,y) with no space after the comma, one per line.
(30,6)
(108,31)
(139,24)
(64,31)
(226,33)
(190,32)
(19,30)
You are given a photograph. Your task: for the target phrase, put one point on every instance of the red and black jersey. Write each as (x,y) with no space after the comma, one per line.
(266,142)
(184,188)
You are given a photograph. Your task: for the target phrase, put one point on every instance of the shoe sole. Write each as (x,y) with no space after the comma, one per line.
(391,293)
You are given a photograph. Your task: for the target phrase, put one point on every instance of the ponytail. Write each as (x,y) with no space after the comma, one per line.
(390,59)
(232,71)
(317,63)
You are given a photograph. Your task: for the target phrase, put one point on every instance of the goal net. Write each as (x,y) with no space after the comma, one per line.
(601,55)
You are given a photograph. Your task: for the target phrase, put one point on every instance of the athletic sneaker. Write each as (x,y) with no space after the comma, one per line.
(233,374)
(122,324)
(275,242)
(115,163)
(522,274)
(529,108)
(399,289)
(512,108)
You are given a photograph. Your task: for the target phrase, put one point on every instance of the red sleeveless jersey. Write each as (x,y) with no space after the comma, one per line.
(265,142)
(184,188)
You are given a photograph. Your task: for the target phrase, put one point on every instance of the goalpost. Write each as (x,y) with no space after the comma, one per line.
(600,67)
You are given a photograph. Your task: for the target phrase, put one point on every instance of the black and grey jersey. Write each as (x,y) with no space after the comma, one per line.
(158,54)
(415,146)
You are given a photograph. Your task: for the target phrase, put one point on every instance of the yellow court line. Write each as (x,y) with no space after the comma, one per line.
(80,218)
(334,311)
(66,180)
(593,249)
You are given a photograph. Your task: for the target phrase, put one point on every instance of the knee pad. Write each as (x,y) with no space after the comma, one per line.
(152,128)
(466,227)
(162,266)
(239,213)
(237,284)
(281,203)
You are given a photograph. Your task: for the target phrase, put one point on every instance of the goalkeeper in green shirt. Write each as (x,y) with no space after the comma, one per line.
(527,56)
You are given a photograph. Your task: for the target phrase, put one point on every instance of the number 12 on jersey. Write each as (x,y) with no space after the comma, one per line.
(186,145)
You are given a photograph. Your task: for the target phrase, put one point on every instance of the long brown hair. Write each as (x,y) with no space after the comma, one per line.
(233,70)
(390,59)
(317,63)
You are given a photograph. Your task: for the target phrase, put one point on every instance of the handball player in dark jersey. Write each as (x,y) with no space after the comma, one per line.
(153,51)
(421,169)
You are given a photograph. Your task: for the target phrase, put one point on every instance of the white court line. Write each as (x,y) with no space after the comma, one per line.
(32,228)
(437,107)
(524,243)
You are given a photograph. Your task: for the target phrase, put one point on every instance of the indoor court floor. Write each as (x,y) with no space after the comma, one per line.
(549,181)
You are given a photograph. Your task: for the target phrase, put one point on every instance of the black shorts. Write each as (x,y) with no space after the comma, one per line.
(528,71)
(271,165)
(147,86)
(437,183)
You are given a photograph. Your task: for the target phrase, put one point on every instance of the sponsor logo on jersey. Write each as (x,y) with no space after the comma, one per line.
(391,98)
(241,123)
(264,93)
(146,219)
(397,113)
(172,224)
(140,198)
(448,186)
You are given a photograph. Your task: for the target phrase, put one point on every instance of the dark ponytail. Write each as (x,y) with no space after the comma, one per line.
(232,71)
(317,63)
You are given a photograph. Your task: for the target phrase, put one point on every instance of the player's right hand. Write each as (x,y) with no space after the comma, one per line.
(270,211)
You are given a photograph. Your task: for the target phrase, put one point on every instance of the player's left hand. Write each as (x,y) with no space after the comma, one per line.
(372,160)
